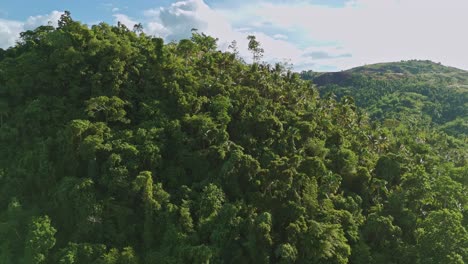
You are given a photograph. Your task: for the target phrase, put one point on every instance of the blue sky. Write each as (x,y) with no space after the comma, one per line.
(323,35)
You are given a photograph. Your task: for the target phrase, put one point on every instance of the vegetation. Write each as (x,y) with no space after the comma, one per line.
(118,148)
(419,93)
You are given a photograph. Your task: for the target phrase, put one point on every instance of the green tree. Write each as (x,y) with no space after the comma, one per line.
(112,109)
(255,48)
(39,240)
(442,238)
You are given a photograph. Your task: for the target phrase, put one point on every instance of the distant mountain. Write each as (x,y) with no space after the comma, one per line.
(395,70)
(412,91)
(410,67)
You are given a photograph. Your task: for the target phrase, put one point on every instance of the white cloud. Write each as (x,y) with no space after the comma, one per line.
(312,36)
(157,29)
(280,36)
(359,32)
(34,21)
(10,29)
(9,32)
(177,20)
(379,30)
(124,19)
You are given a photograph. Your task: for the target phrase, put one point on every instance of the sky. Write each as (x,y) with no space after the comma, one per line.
(319,35)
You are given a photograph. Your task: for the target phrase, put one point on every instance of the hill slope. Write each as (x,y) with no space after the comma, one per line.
(416,91)
(118,148)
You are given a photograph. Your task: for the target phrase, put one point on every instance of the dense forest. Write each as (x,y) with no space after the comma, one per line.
(116,147)
(417,93)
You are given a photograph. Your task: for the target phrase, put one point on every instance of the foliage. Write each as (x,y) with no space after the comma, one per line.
(118,148)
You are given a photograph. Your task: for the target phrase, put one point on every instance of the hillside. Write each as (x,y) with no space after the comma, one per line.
(118,148)
(412,67)
(404,69)
(422,91)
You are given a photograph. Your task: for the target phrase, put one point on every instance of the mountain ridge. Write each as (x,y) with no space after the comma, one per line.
(392,70)
(430,92)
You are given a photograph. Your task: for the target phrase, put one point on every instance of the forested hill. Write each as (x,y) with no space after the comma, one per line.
(116,147)
(416,91)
